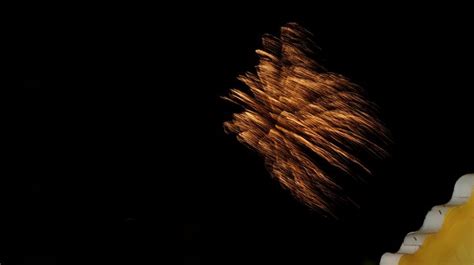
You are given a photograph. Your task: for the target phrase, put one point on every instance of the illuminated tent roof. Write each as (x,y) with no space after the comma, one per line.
(447,234)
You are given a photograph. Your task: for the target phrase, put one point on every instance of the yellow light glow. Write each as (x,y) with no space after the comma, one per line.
(453,244)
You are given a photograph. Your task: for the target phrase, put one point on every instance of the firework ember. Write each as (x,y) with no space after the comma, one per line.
(299,116)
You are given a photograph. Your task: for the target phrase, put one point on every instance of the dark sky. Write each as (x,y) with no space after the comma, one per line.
(117,152)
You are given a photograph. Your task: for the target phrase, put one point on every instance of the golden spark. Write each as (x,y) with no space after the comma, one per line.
(297,111)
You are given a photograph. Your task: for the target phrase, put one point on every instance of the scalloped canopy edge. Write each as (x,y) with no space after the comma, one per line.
(434,222)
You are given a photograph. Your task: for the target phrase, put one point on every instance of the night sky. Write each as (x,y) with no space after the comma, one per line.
(116,151)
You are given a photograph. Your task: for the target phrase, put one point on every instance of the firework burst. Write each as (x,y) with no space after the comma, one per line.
(297,111)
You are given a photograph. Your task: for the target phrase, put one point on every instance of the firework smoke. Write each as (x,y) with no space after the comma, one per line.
(297,111)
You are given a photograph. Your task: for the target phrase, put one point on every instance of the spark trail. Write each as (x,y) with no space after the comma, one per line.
(296,110)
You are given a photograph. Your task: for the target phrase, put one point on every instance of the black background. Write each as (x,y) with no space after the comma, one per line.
(116,153)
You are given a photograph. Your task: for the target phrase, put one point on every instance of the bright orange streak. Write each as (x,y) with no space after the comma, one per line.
(296,109)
